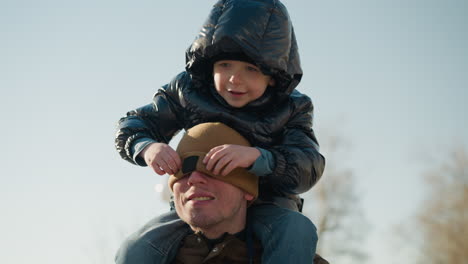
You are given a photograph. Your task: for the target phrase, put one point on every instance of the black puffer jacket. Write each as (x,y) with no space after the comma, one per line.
(280,121)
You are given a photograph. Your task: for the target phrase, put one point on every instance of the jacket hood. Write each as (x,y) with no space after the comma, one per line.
(261,29)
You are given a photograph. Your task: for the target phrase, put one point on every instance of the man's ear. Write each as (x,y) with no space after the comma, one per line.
(248,196)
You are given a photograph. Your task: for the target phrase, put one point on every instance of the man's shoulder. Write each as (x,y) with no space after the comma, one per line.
(155,240)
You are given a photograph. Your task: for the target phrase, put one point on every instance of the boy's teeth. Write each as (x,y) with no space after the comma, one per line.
(202,198)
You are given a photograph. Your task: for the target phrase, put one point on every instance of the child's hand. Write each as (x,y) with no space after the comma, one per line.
(230,157)
(161,158)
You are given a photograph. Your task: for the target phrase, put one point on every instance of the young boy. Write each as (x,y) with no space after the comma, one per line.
(241,70)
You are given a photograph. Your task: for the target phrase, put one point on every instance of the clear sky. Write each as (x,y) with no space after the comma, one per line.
(389,75)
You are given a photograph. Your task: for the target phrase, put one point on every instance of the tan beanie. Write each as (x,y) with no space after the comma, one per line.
(198,140)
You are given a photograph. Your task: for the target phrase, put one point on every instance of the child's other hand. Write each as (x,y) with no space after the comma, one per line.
(230,157)
(161,158)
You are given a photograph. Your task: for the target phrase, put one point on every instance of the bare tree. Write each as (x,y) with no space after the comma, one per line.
(334,206)
(442,220)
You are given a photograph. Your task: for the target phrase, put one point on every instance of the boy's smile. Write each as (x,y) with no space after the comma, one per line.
(238,82)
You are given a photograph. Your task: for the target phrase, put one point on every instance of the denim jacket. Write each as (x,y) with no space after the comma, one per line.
(142,247)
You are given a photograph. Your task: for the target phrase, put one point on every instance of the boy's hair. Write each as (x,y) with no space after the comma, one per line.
(239,56)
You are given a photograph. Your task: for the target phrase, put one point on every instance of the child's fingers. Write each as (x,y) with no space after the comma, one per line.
(173,164)
(207,156)
(209,163)
(210,153)
(209,160)
(157,169)
(165,165)
(169,161)
(176,160)
(229,167)
(177,163)
(213,159)
(222,162)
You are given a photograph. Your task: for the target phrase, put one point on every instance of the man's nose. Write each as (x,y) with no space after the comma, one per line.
(196,178)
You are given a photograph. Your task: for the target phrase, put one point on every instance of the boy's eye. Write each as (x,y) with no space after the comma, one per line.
(223,64)
(252,69)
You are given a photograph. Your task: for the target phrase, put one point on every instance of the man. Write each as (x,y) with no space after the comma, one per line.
(213,225)
(212,211)
(216,211)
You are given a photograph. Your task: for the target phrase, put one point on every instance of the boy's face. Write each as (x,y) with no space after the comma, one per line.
(238,82)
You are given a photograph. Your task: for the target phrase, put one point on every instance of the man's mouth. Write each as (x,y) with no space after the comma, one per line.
(200,196)
(203,198)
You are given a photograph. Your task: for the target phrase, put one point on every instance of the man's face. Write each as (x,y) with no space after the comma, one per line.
(206,203)
(238,82)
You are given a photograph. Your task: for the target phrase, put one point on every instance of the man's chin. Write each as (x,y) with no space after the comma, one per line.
(201,220)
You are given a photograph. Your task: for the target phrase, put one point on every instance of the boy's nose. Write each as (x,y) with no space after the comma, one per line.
(236,78)
(197,177)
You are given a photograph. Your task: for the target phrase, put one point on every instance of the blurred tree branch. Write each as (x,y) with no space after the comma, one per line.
(334,206)
(443,218)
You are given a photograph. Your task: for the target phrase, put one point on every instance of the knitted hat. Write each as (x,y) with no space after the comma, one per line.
(196,143)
